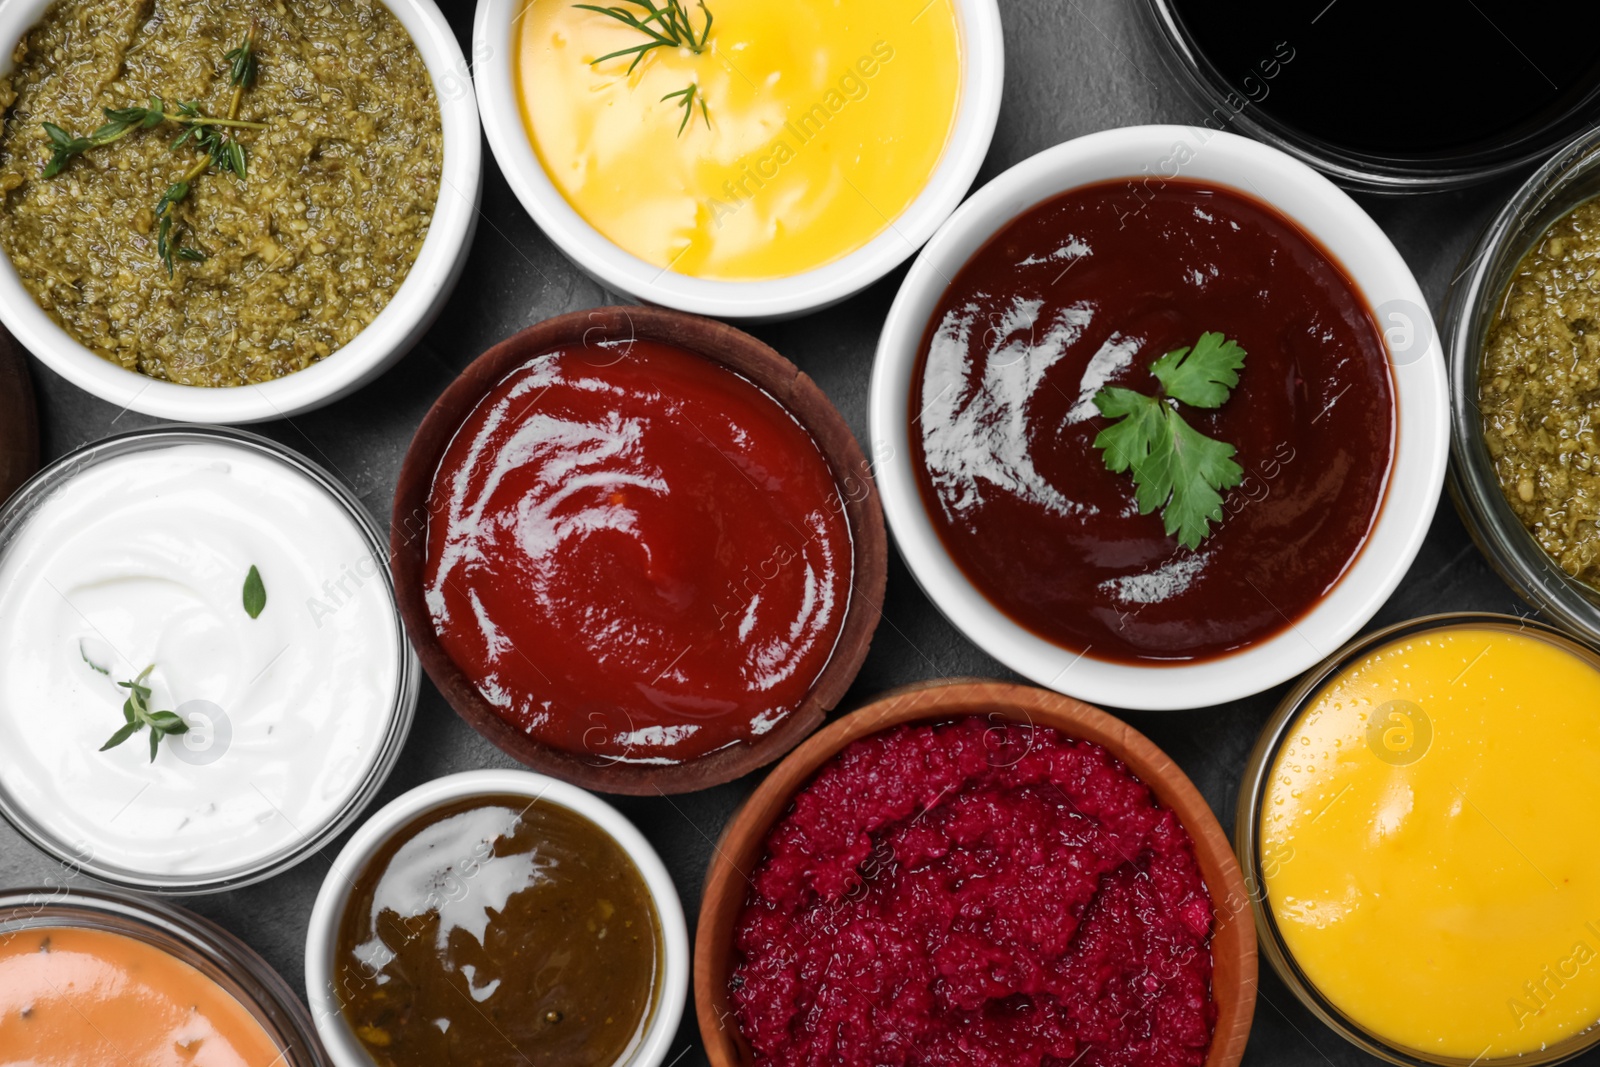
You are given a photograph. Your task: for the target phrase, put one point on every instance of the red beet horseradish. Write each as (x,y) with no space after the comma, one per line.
(637,554)
(975,894)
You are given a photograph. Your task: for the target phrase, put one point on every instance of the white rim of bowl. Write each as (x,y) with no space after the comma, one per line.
(1146,156)
(322,934)
(983,75)
(391,335)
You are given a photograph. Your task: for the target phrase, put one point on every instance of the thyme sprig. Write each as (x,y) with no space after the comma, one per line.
(667,26)
(136,710)
(224,152)
(241,64)
(212,136)
(221,151)
(121,121)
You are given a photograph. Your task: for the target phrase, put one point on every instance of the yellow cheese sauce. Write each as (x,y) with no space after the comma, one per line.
(823,121)
(1429,843)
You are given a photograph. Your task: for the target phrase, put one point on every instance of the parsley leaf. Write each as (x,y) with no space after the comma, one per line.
(1200,466)
(1201,376)
(1175,467)
(1130,441)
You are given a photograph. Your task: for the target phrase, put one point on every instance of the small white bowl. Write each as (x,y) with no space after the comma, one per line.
(1146,154)
(813,290)
(391,335)
(344,1049)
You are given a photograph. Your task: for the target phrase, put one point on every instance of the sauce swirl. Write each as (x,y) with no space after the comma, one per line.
(499,930)
(637,554)
(1085,291)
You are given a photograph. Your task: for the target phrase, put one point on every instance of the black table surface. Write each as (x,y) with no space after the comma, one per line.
(1072,67)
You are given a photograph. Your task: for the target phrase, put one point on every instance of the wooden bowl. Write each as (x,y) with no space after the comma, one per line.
(1233,939)
(747,356)
(19,420)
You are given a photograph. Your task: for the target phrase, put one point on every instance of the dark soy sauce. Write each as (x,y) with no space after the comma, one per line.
(1406,79)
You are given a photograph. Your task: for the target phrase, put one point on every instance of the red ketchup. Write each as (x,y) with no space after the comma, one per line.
(1087,290)
(637,554)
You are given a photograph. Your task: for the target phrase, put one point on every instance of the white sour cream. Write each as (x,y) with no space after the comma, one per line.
(141,559)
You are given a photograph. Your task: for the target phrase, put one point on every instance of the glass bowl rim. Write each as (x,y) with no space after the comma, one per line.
(1368,172)
(222,957)
(1549,194)
(1247,839)
(14,517)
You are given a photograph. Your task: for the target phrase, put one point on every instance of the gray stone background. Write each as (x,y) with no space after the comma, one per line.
(1072,67)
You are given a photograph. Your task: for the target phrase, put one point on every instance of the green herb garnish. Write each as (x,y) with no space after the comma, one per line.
(136,709)
(168,243)
(1175,467)
(255,593)
(667,26)
(122,121)
(83,650)
(688,97)
(208,134)
(242,62)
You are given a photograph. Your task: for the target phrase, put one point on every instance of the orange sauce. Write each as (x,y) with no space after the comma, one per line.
(87,998)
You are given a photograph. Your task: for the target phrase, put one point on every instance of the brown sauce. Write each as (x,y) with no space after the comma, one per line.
(499,931)
(1087,290)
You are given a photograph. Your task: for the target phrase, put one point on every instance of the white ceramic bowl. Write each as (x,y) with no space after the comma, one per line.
(391,335)
(782,298)
(1146,154)
(344,1049)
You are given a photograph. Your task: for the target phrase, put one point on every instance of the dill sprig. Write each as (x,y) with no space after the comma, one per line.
(667,26)
(687,98)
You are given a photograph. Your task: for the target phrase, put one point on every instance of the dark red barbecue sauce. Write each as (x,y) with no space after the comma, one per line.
(637,554)
(1087,290)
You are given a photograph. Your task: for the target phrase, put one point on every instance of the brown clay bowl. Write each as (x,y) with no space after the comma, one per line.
(19,420)
(1233,940)
(749,357)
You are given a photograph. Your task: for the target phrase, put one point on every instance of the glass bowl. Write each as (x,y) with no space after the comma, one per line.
(1567,180)
(206,947)
(1247,841)
(1230,106)
(80,855)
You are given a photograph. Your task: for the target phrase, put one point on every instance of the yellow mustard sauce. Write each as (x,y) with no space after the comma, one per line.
(1429,846)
